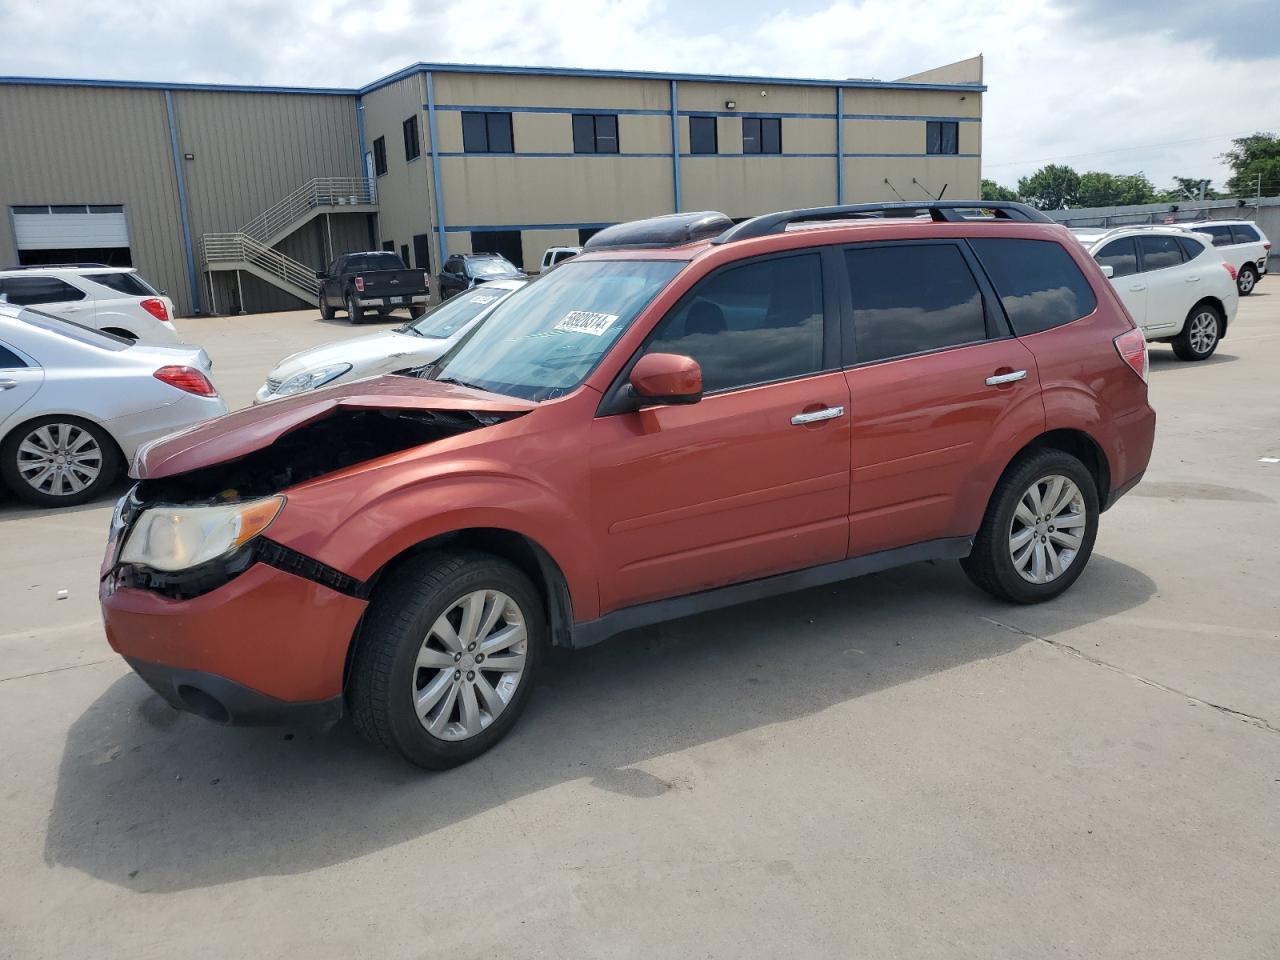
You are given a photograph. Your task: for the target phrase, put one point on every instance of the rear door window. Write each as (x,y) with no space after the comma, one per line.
(29,291)
(1221,235)
(911,298)
(1243,233)
(1120,255)
(1159,253)
(756,323)
(1037,281)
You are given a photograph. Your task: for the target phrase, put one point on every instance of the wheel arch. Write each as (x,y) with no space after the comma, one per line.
(1080,445)
(1218,305)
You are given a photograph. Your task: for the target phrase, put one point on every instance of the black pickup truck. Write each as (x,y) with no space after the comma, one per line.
(376,280)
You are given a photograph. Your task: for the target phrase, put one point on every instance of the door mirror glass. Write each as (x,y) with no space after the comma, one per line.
(321,275)
(666,378)
(1108,270)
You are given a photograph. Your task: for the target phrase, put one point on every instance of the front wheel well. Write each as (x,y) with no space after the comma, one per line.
(532,559)
(1217,305)
(1081,446)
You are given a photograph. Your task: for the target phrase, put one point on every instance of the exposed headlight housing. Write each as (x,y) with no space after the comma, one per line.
(178,538)
(311,379)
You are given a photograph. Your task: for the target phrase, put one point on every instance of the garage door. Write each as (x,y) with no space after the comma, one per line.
(70,227)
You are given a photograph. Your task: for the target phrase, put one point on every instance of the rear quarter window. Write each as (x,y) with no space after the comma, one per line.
(1037,281)
(1243,233)
(129,284)
(1191,248)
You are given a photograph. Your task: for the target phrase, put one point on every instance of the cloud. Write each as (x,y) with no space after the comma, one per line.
(1104,85)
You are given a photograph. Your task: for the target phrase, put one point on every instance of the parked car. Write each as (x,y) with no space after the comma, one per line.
(76,403)
(114,299)
(556,256)
(1242,244)
(417,343)
(462,271)
(1174,284)
(661,426)
(377,280)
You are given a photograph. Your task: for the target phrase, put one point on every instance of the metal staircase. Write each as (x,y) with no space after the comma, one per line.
(251,248)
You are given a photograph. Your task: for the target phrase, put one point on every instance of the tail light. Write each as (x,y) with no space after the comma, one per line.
(1266,246)
(1132,347)
(156,308)
(188,379)
(1231,270)
(359,284)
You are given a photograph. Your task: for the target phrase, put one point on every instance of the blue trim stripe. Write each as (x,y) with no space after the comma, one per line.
(757,113)
(923,156)
(755,156)
(476,68)
(839,146)
(181,177)
(920,117)
(475,108)
(586,156)
(677,199)
(468,228)
(441,237)
(515,108)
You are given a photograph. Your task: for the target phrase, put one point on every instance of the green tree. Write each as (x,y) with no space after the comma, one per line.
(1253,157)
(994,191)
(1050,187)
(1098,189)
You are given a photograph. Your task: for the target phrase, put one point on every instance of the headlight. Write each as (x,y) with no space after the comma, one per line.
(311,379)
(175,538)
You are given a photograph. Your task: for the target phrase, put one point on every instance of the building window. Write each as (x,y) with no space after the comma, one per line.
(586,233)
(380,156)
(506,243)
(422,251)
(702,135)
(595,133)
(942,136)
(761,135)
(389,245)
(487,133)
(412,148)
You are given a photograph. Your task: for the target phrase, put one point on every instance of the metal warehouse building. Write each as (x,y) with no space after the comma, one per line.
(231,197)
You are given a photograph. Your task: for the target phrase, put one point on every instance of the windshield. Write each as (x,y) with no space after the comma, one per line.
(490,268)
(73,331)
(542,343)
(452,315)
(375,261)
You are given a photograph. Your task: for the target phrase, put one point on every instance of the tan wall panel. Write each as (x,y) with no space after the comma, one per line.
(808,136)
(487,190)
(644,134)
(728,134)
(884,136)
(747,186)
(970,138)
(864,177)
(698,95)
(924,103)
(962,71)
(404,192)
(96,145)
(539,132)
(497,90)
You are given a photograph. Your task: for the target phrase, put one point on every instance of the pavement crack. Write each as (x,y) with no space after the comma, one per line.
(1248,718)
(41,673)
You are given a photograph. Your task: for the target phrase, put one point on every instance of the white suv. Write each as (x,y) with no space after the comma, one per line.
(114,299)
(1174,284)
(1242,244)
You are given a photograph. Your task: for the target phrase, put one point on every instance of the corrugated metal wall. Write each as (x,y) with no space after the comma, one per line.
(95,145)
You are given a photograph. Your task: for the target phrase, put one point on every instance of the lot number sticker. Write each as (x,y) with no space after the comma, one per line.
(484,298)
(584,321)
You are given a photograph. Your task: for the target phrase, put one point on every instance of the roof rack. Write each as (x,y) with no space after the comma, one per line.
(64,266)
(669,230)
(948,211)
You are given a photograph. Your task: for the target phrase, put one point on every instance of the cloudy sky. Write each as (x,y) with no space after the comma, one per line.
(1158,86)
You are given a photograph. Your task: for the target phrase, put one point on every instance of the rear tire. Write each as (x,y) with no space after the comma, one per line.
(1056,551)
(1247,279)
(420,684)
(89,461)
(326,311)
(1200,334)
(354,313)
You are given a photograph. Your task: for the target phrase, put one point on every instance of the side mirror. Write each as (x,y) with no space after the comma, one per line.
(1108,270)
(666,378)
(321,275)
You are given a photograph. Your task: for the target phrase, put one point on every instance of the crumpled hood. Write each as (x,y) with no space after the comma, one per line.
(245,431)
(375,353)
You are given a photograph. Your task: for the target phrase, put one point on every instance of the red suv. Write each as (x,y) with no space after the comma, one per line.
(688,415)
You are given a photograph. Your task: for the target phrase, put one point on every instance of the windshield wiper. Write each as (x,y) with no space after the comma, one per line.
(460,383)
(410,328)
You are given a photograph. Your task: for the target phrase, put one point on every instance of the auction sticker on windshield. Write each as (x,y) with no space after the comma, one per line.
(484,298)
(584,321)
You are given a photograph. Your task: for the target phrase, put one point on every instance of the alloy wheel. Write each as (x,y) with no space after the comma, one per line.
(59,459)
(1204,331)
(470,664)
(1246,281)
(1047,529)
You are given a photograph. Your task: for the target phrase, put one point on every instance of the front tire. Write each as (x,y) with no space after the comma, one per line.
(354,313)
(1039,530)
(1200,334)
(1247,279)
(58,461)
(447,657)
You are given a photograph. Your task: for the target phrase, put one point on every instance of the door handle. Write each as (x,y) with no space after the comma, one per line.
(1193,279)
(996,379)
(830,413)
(1138,288)
(8,384)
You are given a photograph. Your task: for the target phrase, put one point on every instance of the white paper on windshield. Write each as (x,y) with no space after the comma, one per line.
(584,321)
(484,298)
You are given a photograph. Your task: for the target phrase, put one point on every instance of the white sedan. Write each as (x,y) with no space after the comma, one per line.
(1174,284)
(76,403)
(415,344)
